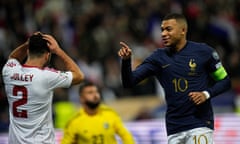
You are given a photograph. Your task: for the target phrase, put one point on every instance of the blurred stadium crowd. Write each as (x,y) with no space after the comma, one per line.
(90,32)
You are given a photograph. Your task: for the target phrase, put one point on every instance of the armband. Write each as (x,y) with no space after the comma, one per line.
(219,74)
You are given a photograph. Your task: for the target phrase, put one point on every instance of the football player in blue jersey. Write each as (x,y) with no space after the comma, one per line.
(191,74)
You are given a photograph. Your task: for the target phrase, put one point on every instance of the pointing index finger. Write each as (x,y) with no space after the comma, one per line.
(124,45)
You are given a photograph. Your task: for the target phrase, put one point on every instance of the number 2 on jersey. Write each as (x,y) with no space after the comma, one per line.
(17,112)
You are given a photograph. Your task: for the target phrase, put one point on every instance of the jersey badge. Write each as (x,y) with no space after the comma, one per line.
(192,65)
(106,125)
(11,64)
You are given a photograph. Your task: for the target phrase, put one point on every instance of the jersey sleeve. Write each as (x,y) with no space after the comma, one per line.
(57,79)
(218,73)
(122,131)
(11,65)
(131,77)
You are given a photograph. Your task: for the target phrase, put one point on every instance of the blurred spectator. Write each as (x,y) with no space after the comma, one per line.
(144,114)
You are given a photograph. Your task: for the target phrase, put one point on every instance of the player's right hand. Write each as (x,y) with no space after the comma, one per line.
(125,52)
(52,43)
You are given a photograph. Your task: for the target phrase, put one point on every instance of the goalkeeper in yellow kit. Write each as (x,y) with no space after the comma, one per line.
(95,123)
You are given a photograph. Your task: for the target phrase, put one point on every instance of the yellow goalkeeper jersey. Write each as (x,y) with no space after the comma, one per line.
(101,128)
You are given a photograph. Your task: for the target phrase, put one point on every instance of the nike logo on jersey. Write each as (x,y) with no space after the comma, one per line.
(165,66)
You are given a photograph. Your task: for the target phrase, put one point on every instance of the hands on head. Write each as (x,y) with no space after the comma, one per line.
(125,52)
(51,41)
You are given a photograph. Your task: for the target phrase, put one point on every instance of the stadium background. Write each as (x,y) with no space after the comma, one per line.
(90,31)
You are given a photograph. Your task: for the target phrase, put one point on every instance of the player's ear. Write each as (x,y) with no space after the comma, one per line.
(46,56)
(49,56)
(184,31)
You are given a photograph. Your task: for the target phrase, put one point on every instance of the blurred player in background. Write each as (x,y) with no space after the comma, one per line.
(185,69)
(95,123)
(29,86)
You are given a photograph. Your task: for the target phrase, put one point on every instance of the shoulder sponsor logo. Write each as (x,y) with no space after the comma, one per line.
(11,64)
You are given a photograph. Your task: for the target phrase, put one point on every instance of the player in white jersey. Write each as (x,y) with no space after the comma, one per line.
(29,87)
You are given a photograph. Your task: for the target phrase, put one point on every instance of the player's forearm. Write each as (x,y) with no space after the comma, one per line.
(128,140)
(126,136)
(20,53)
(70,65)
(131,77)
(126,73)
(220,87)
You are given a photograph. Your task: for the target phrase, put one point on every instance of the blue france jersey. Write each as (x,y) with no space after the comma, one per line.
(180,73)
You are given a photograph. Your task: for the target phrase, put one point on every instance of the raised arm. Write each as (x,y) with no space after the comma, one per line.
(20,53)
(125,52)
(68,63)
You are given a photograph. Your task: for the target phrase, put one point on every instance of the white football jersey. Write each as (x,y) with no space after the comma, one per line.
(29,91)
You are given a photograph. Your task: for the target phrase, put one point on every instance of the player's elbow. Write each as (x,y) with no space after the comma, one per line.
(78,77)
(228,82)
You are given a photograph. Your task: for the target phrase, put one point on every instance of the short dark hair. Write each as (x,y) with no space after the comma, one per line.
(176,16)
(180,18)
(37,45)
(85,84)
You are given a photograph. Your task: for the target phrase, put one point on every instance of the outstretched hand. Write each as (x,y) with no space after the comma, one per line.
(125,52)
